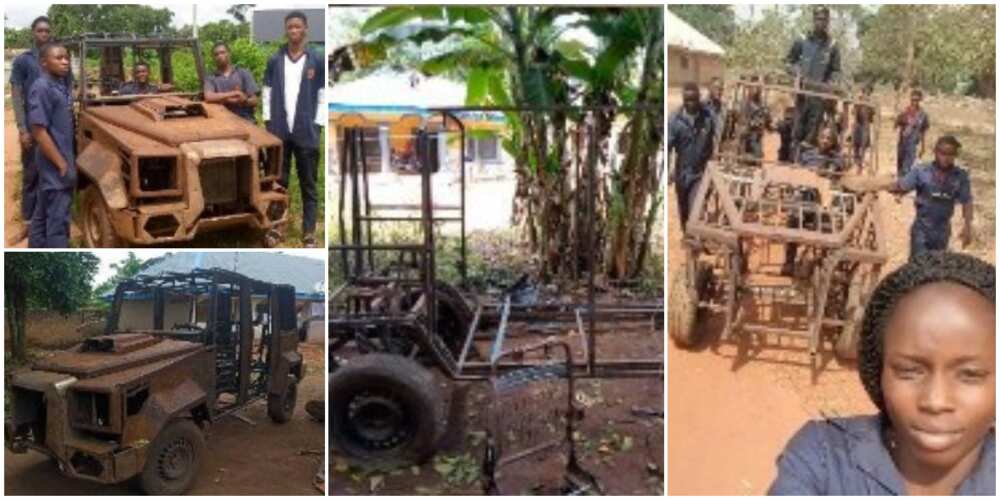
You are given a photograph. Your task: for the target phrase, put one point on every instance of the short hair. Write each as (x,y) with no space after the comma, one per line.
(916,91)
(821,10)
(140,63)
(40,19)
(220,44)
(948,140)
(297,14)
(691,87)
(924,269)
(49,47)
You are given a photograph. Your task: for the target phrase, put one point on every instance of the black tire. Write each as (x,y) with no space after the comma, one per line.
(386,411)
(281,407)
(846,345)
(96,224)
(685,312)
(173,459)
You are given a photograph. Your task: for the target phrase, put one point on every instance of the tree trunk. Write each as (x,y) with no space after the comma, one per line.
(639,165)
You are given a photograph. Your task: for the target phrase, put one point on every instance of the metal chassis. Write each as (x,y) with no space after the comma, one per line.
(344,328)
(718,227)
(98,40)
(213,283)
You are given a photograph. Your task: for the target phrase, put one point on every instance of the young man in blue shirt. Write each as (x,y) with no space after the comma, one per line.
(940,185)
(140,84)
(293,110)
(24,71)
(231,86)
(50,114)
(691,134)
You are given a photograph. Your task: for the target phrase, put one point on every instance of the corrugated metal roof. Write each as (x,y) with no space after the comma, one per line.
(681,34)
(308,276)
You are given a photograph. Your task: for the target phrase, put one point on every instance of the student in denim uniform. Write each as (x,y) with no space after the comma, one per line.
(24,71)
(912,123)
(861,135)
(231,86)
(50,114)
(691,132)
(816,60)
(927,359)
(939,185)
(825,157)
(714,104)
(140,84)
(293,110)
(758,118)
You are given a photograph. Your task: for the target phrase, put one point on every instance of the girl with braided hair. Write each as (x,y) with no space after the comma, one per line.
(927,358)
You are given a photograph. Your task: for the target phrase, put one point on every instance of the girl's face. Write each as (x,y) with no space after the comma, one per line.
(938,377)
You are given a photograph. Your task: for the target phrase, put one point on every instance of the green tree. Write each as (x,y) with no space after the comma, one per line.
(70,20)
(17,38)
(717,22)
(60,281)
(761,45)
(948,48)
(126,269)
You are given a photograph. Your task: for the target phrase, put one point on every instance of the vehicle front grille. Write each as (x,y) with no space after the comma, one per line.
(219,180)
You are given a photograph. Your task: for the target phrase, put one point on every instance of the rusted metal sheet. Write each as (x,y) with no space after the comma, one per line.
(173,131)
(92,364)
(104,166)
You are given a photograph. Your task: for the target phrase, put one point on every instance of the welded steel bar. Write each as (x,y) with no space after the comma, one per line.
(501,333)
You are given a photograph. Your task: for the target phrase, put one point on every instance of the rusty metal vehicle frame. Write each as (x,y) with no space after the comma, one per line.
(743,210)
(101,408)
(415,268)
(251,373)
(148,179)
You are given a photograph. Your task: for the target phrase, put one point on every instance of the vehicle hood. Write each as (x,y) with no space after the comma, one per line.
(106,354)
(174,120)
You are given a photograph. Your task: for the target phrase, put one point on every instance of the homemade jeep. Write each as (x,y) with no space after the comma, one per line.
(179,351)
(160,168)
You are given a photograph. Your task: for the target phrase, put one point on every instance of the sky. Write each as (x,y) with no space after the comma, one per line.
(111,256)
(20,14)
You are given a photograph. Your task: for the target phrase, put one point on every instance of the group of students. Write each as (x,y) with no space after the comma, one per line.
(42,94)
(927,353)
(940,183)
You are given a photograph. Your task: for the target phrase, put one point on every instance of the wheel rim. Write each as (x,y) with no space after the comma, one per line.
(376,420)
(176,459)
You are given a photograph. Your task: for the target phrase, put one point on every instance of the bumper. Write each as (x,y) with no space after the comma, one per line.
(41,424)
(167,222)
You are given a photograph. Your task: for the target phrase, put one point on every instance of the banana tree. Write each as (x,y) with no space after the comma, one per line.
(518,56)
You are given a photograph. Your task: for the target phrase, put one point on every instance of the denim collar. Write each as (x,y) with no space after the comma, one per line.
(869,452)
